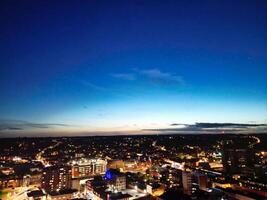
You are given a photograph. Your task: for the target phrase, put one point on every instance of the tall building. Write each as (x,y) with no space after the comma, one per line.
(187,182)
(202,181)
(84,168)
(56,178)
(235,160)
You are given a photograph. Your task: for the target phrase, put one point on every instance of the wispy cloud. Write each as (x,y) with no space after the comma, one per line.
(14,125)
(177,124)
(221,125)
(158,76)
(106,89)
(154,75)
(92,85)
(124,76)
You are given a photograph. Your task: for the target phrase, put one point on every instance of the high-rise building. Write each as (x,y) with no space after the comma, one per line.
(56,178)
(84,168)
(235,160)
(187,182)
(202,181)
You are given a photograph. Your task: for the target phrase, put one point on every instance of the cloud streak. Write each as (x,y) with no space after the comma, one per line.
(158,76)
(213,128)
(154,75)
(124,76)
(220,125)
(92,85)
(16,125)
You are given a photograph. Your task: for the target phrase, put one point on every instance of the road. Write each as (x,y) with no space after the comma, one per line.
(257,141)
(39,156)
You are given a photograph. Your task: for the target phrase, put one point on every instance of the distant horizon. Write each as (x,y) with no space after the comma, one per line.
(133,135)
(191,129)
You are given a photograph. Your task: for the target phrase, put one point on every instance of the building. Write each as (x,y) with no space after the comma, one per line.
(7,170)
(235,160)
(116,180)
(56,178)
(155,189)
(11,182)
(36,195)
(32,179)
(85,168)
(202,181)
(187,182)
(116,164)
(118,196)
(96,188)
(61,195)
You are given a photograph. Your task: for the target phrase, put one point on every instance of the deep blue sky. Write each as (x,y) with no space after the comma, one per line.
(129,65)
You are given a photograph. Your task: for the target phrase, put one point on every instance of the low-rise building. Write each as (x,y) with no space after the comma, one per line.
(62,194)
(155,189)
(116,180)
(36,195)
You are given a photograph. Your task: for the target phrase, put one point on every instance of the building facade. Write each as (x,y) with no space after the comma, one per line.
(236,160)
(84,168)
(187,182)
(56,178)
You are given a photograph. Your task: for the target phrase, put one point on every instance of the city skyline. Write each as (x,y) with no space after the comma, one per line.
(129,67)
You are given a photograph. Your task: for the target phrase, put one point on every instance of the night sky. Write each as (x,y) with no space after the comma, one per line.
(98,67)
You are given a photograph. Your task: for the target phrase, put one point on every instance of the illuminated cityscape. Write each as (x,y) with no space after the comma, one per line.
(219,166)
(133,100)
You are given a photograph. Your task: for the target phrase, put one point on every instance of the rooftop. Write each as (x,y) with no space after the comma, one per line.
(35,193)
(62,192)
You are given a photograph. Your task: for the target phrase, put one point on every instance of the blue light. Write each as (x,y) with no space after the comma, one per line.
(108,175)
